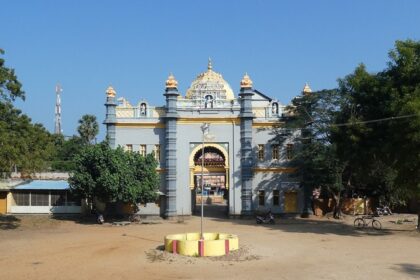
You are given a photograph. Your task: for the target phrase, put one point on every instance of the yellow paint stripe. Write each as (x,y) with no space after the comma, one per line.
(141,125)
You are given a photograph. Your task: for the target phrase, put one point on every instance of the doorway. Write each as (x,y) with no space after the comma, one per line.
(212,173)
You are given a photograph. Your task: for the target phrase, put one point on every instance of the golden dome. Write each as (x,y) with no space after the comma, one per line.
(210,83)
(306,89)
(171,82)
(246,81)
(110,92)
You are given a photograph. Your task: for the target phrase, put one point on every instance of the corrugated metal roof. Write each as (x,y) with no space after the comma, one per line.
(6,185)
(44,185)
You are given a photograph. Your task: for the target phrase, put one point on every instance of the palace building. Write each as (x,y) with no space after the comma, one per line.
(246,157)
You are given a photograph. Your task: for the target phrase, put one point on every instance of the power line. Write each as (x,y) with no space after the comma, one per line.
(359,122)
(377,120)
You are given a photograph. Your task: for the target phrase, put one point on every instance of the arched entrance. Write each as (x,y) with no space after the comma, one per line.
(215,193)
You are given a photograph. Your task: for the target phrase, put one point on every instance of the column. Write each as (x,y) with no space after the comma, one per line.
(171,117)
(246,117)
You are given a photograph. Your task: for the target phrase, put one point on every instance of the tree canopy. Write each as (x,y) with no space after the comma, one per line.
(114,175)
(24,146)
(10,87)
(365,134)
(88,128)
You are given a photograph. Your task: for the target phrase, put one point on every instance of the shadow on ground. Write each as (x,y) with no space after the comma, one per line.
(76,218)
(316,225)
(9,222)
(409,268)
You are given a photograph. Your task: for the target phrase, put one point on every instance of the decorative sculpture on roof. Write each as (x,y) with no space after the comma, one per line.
(171,82)
(110,92)
(246,81)
(210,83)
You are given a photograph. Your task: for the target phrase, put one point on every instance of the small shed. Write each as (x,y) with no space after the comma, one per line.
(43,197)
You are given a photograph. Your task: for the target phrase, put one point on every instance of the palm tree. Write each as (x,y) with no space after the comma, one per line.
(88,128)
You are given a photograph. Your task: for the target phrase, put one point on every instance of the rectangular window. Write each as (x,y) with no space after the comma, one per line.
(21,198)
(261,198)
(58,198)
(40,198)
(129,147)
(143,150)
(73,200)
(261,152)
(276,197)
(289,151)
(157,152)
(275,151)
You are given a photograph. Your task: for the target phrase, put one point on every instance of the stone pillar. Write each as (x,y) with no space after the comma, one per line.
(246,117)
(111,116)
(171,117)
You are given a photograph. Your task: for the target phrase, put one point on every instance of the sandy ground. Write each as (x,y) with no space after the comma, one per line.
(40,247)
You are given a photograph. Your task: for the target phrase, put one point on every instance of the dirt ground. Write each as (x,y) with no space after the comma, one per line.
(41,247)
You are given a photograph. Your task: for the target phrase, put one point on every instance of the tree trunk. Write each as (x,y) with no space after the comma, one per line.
(337,206)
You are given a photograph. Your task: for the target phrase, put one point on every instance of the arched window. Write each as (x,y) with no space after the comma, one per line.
(275,108)
(143,109)
(208,101)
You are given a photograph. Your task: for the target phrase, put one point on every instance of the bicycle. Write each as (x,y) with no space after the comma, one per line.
(364,221)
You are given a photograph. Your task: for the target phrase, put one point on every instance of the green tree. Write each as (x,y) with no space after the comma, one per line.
(114,175)
(381,138)
(317,160)
(65,151)
(88,128)
(23,146)
(10,87)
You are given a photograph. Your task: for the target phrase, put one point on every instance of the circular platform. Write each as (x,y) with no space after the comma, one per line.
(190,244)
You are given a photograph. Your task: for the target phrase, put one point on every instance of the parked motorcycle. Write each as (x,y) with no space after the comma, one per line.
(266,219)
(383,211)
(100,219)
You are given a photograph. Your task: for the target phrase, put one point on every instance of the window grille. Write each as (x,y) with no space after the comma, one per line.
(58,198)
(143,150)
(275,151)
(40,199)
(157,152)
(261,152)
(21,198)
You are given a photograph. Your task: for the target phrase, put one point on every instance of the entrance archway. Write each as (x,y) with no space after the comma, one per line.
(215,194)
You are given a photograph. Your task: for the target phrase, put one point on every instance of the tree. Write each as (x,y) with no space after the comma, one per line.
(114,175)
(88,128)
(317,160)
(24,146)
(65,151)
(10,87)
(381,140)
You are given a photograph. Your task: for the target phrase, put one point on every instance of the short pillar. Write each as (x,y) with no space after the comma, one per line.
(174,246)
(201,248)
(226,246)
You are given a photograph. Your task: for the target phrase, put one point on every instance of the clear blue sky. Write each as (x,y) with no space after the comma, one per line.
(133,45)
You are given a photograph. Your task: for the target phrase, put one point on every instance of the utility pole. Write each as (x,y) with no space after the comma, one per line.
(57,120)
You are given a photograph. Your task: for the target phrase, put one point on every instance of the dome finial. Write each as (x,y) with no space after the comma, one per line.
(306,89)
(246,81)
(110,92)
(209,66)
(171,82)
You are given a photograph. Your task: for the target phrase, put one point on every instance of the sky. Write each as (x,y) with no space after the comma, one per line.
(133,45)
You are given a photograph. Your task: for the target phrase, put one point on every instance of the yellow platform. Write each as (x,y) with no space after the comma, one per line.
(189,244)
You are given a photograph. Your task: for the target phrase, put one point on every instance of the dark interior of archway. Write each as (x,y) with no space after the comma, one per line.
(212,156)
